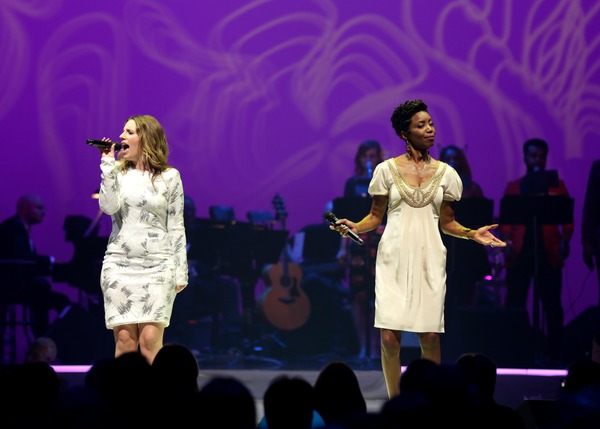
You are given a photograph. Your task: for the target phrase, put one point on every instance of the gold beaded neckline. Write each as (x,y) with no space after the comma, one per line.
(415,196)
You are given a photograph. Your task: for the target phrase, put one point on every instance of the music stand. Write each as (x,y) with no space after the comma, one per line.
(474,212)
(87,263)
(206,240)
(353,208)
(535,211)
(321,246)
(240,250)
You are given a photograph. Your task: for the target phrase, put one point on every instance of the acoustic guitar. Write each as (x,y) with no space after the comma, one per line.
(283,303)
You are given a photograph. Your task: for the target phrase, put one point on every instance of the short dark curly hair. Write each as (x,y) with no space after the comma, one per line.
(537,143)
(404,113)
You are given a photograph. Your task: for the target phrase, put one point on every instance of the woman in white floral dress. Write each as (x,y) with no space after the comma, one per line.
(416,191)
(145,263)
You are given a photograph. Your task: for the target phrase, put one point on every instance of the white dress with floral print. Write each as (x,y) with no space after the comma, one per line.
(146,253)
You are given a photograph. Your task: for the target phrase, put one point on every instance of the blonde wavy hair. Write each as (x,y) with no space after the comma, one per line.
(154,148)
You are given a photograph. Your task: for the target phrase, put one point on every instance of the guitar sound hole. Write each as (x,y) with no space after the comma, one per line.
(290,283)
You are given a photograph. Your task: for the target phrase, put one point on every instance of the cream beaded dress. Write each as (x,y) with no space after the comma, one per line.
(410,279)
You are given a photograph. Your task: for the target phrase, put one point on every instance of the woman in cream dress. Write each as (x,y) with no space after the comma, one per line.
(416,191)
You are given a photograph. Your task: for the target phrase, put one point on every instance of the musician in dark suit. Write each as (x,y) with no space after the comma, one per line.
(24,270)
(590,222)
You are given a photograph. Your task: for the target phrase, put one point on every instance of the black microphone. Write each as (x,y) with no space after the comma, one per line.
(333,219)
(104,145)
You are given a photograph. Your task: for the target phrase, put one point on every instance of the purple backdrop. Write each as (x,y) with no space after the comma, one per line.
(266,97)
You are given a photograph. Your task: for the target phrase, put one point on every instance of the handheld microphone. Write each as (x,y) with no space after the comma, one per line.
(333,219)
(369,166)
(104,145)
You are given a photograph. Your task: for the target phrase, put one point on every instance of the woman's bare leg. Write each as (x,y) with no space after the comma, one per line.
(126,339)
(430,346)
(390,360)
(151,339)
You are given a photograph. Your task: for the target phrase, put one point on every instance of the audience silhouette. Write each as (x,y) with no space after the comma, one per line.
(482,373)
(122,391)
(175,372)
(578,404)
(289,403)
(30,391)
(41,349)
(225,402)
(338,397)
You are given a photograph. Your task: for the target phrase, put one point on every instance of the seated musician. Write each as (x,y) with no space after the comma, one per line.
(24,271)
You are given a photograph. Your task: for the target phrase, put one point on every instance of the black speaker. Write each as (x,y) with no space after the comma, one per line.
(503,334)
(81,337)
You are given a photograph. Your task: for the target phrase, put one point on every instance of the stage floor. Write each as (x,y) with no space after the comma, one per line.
(514,386)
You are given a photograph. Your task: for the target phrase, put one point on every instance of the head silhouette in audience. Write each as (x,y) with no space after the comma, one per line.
(338,394)
(414,376)
(34,387)
(289,403)
(128,390)
(578,404)
(581,373)
(42,349)
(175,370)
(481,373)
(228,402)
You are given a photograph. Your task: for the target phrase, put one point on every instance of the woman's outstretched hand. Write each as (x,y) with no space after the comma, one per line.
(485,237)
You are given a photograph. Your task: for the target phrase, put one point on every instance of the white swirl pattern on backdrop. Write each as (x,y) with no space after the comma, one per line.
(270,97)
